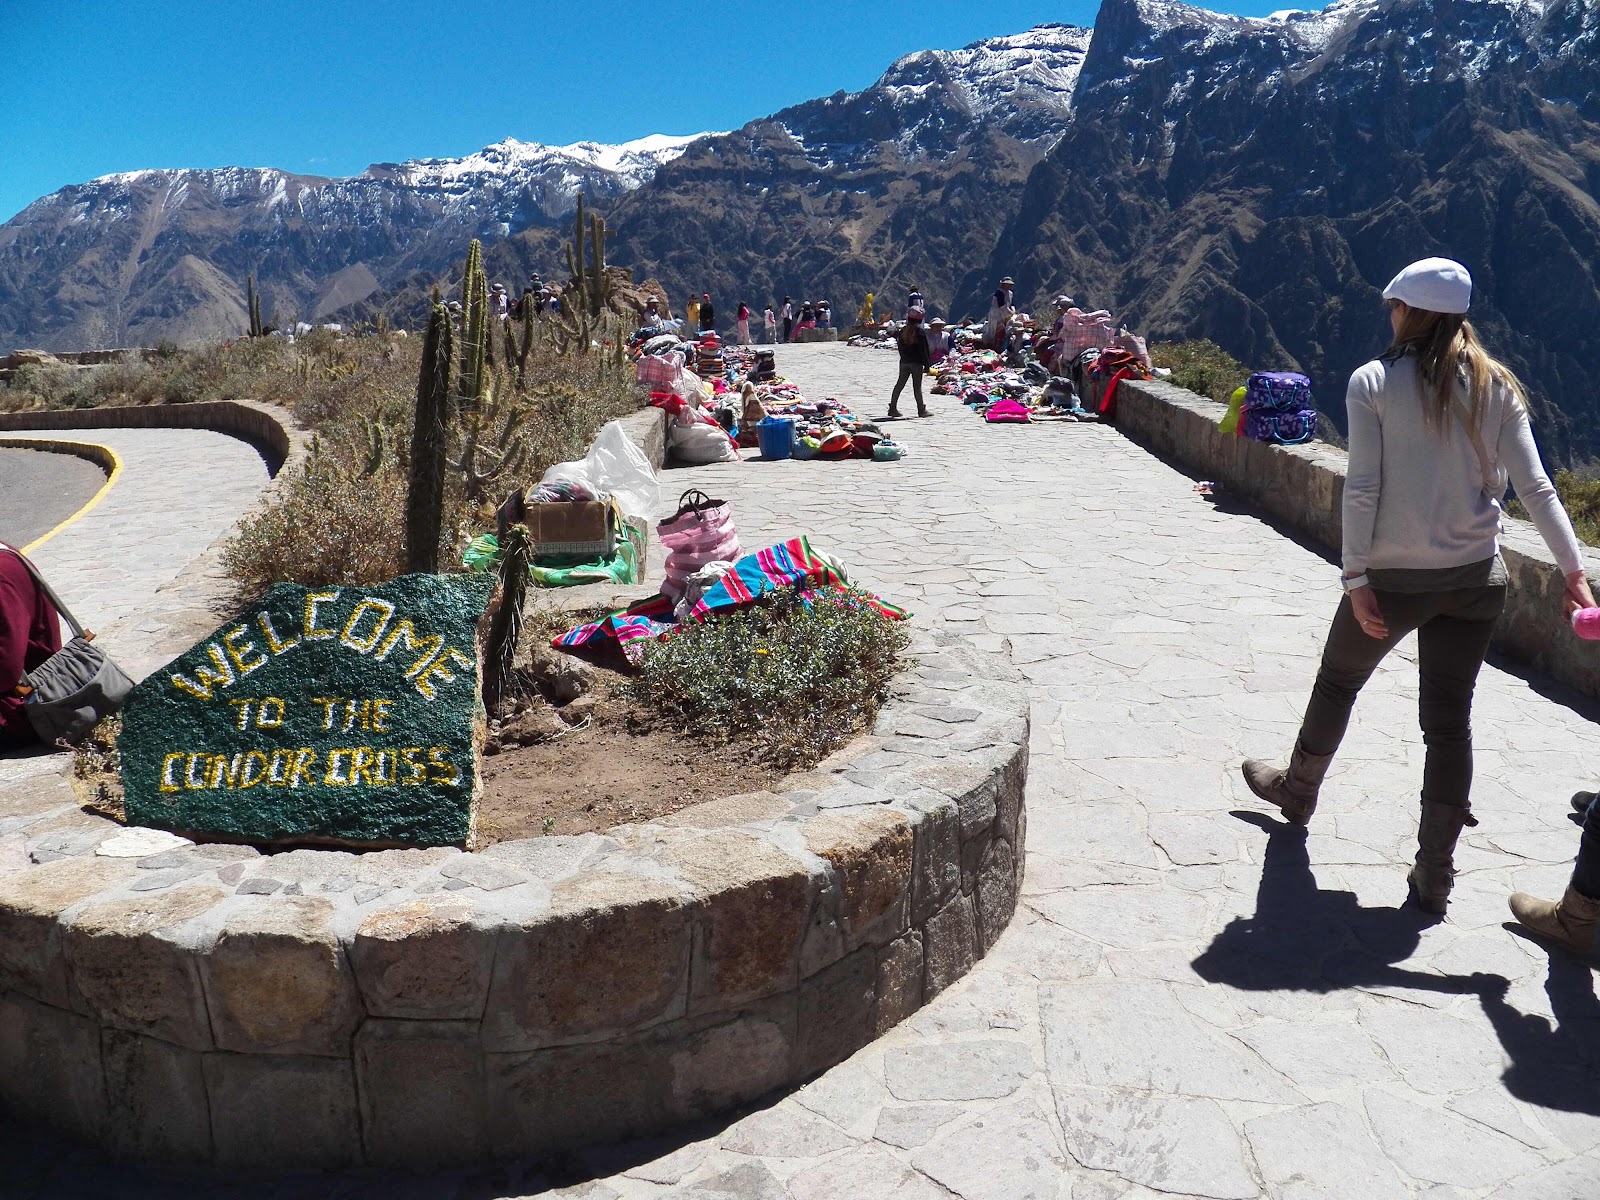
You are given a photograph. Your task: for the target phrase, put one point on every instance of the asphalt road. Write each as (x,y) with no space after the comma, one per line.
(39,489)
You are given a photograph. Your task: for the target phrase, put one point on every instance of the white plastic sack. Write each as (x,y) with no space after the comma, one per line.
(616,467)
(700,443)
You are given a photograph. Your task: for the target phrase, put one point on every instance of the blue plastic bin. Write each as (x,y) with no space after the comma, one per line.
(775,436)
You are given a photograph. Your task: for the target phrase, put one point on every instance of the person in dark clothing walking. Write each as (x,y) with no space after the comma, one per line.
(708,319)
(915,359)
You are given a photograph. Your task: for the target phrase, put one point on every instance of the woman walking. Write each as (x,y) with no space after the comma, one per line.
(1436,425)
(742,325)
(914,360)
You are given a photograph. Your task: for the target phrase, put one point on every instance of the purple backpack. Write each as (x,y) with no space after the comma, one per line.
(1278,408)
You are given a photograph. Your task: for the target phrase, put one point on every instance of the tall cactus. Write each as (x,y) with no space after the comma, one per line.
(585,300)
(429,444)
(253,305)
(474,327)
(505,628)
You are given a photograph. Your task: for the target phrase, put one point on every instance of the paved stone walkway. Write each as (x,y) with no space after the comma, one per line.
(127,568)
(1196,1000)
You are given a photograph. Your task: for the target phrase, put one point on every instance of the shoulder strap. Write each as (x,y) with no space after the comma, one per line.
(50,592)
(1485,466)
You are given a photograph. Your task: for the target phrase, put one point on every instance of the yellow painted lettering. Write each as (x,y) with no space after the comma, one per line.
(380,715)
(244,712)
(205,680)
(278,771)
(417,770)
(362,644)
(274,644)
(193,760)
(328,705)
(439,668)
(314,634)
(361,765)
(304,761)
(258,760)
(168,783)
(230,774)
(388,768)
(443,770)
(241,654)
(218,774)
(336,775)
(405,632)
(270,714)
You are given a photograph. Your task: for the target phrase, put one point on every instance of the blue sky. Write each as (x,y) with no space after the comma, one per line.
(90,87)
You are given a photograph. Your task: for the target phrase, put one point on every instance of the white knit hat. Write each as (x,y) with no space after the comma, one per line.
(1439,285)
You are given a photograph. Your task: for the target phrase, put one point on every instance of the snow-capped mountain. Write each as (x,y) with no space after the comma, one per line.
(162,253)
(1251,180)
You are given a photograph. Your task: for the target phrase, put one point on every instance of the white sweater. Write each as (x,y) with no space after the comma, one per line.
(1414,498)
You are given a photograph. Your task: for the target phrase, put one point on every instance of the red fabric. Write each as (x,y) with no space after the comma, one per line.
(29,634)
(1108,402)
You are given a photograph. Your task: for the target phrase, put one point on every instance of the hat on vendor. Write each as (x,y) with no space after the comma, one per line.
(939,321)
(1063,301)
(1008,279)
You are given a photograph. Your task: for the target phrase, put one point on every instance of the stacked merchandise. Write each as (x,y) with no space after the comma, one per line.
(708,357)
(824,429)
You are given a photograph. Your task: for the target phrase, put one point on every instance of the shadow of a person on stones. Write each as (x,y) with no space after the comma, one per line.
(1302,938)
(1553,1066)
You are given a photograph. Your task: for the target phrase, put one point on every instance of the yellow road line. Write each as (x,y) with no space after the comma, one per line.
(102,456)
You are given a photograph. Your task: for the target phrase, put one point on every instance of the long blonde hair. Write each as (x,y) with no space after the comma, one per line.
(1450,356)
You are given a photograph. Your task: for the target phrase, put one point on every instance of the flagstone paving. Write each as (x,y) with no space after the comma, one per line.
(1195,999)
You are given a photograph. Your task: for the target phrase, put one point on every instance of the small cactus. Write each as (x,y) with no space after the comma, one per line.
(505,628)
(487,452)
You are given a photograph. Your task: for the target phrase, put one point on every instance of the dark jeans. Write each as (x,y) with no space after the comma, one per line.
(1453,630)
(1586,874)
(913,372)
(788,328)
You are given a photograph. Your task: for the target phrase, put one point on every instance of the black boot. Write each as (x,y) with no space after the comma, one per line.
(1293,790)
(1437,833)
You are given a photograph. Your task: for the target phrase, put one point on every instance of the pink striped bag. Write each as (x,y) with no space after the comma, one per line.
(700,532)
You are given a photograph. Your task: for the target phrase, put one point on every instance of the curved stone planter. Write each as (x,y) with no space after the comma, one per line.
(319,1008)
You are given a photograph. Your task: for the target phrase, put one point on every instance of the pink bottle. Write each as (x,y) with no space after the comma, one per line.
(1586,624)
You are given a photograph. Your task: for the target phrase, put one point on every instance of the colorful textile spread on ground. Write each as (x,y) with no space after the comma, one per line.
(791,564)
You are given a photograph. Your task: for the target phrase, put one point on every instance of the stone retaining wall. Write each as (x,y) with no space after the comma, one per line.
(1303,488)
(270,430)
(323,1009)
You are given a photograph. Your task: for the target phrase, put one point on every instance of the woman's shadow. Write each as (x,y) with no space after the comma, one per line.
(1303,938)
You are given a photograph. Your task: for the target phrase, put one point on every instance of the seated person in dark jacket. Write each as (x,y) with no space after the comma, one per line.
(29,634)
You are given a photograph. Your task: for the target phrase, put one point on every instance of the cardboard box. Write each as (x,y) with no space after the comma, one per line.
(571,528)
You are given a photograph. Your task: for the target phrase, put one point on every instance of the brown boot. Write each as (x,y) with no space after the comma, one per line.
(1293,790)
(1434,873)
(1569,921)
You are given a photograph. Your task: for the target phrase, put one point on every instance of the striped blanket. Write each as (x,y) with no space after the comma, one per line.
(789,564)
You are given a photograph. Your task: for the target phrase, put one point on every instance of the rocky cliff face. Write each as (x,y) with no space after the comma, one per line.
(1258,182)
(1251,181)
(127,259)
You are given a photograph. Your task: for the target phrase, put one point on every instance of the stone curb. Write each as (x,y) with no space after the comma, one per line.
(209,1004)
(101,456)
(1303,488)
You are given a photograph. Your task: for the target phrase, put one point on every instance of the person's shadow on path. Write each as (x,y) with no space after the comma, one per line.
(1303,938)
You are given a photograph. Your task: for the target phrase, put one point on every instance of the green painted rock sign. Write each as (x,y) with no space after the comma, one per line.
(345,714)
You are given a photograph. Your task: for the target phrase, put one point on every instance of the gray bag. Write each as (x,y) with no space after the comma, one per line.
(75,687)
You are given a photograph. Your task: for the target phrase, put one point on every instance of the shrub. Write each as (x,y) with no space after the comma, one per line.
(1202,366)
(1580,493)
(798,675)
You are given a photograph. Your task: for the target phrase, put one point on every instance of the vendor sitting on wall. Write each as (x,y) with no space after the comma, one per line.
(29,634)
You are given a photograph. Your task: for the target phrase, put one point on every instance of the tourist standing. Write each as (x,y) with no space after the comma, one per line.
(1436,426)
(742,325)
(708,316)
(769,322)
(694,316)
(912,342)
(786,315)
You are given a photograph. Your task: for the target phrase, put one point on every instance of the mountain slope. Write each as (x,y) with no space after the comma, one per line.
(1258,181)
(103,263)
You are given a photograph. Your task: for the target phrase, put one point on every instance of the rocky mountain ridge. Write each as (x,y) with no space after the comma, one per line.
(1250,180)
